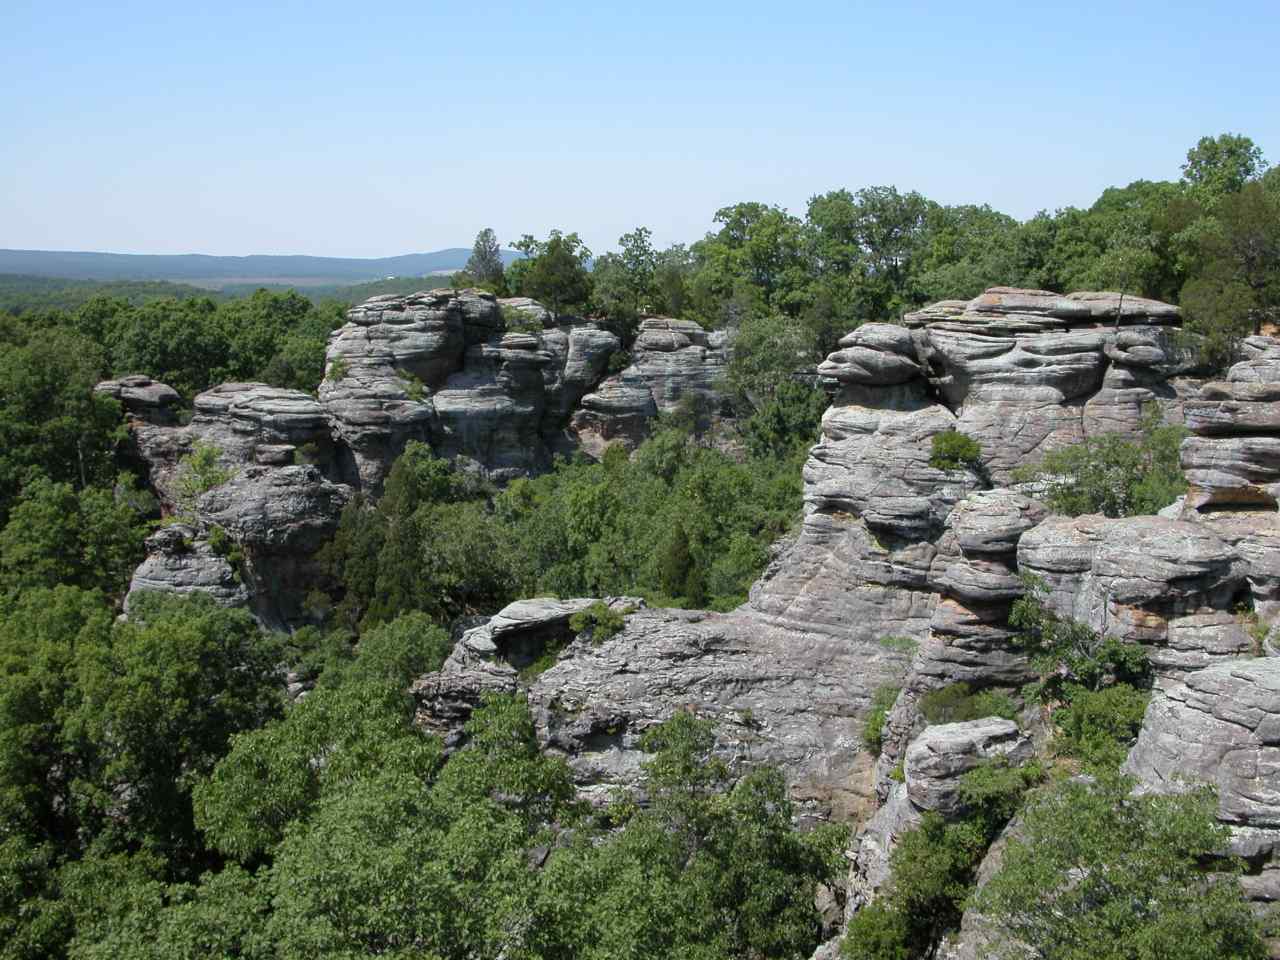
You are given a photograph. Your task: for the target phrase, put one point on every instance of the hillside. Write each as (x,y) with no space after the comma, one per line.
(216,272)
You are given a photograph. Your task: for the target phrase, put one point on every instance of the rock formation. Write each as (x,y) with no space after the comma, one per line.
(896,555)
(931,771)
(902,574)
(671,360)
(493,385)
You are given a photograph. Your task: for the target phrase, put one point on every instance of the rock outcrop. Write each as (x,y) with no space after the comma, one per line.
(932,770)
(671,361)
(272,521)
(779,698)
(903,574)
(1221,727)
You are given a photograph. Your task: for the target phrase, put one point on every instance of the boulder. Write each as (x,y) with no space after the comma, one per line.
(143,398)
(936,761)
(179,562)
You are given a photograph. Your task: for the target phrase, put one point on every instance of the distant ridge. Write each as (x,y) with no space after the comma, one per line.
(210,271)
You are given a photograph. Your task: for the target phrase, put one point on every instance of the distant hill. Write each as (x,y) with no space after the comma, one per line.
(216,272)
(20,293)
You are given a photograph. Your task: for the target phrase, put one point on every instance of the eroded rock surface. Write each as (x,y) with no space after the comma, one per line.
(671,361)
(1222,727)
(932,770)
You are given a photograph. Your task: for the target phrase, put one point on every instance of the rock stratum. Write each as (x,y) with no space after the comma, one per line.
(901,575)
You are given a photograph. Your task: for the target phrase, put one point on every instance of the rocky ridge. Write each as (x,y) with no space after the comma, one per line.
(499,386)
(902,574)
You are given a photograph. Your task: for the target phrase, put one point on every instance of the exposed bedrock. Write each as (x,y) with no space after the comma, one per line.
(248,423)
(270,523)
(1233,460)
(778,697)
(671,361)
(932,770)
(1222,727)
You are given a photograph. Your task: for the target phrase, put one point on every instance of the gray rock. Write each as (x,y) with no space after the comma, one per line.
(146,399)
(1222,727)
(876,354)
(280,517)
(792,700)
(179,562)
(671,360)
(935,763)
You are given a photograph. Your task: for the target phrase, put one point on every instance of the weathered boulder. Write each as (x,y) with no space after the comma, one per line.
(385,363)
(490,413)
(1171,585)
(935,762)
(246,423)
(1233,460)
(143,398)
(876,354)
(489,657)
(178,562)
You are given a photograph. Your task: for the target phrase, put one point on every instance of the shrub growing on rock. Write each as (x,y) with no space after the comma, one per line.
(1096,872)
(953,450)
(599,621)
(957,702)
(1113,474)
(873,726)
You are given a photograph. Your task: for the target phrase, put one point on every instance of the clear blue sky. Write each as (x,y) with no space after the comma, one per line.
(379,128)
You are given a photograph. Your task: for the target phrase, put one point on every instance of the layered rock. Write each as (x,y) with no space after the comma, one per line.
(143,399)
(1222,727)
(274,519)
(779,698)
(672,361)
(247,424)
(932,770)
(179,563)
(1233,459)
(1171,585)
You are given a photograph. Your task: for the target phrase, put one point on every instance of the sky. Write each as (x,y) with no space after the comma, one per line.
(381,128)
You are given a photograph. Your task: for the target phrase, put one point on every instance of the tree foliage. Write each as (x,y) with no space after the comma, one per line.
(1096,872)
(1113,474)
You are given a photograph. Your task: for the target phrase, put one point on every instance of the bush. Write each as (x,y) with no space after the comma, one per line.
(1098,727)
(957,703)
(873,728)
(1094,871)
(599,622)
(1067,654)
(953,450)
(1113,474)
(338,370)
(932,869)
(199,472)
(521,321)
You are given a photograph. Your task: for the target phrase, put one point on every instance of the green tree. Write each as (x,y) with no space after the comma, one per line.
(1113,474)
(555,271)
(56,536)
(1221,165)
(51,421)
(485,263)
(1096,872)
(1236,285)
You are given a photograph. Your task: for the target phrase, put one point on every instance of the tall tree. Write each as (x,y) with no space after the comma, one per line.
(1217,166)
(485,264)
